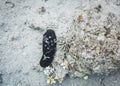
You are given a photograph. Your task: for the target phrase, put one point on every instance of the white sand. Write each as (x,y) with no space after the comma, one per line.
(20,45)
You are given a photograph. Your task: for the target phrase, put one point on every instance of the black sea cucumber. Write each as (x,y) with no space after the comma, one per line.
(49,48)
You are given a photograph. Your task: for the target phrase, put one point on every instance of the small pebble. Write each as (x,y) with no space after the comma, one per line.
(86,77)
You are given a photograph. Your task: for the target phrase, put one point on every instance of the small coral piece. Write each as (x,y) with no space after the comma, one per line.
(51,80)
(80,17)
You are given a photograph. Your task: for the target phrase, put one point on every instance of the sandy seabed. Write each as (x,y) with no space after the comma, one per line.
(22,25)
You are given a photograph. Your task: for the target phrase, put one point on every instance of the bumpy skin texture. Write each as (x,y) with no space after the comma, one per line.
(49,48)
